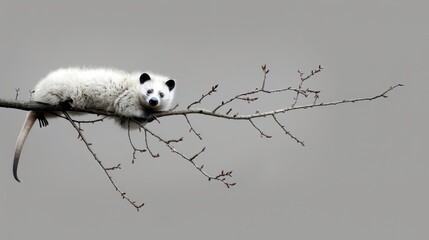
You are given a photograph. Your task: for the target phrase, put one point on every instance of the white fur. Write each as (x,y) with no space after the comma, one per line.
(102,89)
(105,89)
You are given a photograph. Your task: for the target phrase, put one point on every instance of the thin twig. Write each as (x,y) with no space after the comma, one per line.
(31,94)
(259,130)
(105,170)
(213,90)
(303,79)
(81,121)
(147,145)
(135,150)
(222,177)
(192,128)
(16,94)
(114,167)
(266,71)
(288,132)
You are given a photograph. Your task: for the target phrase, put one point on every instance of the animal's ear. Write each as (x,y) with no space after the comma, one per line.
(144,77)
(170,84)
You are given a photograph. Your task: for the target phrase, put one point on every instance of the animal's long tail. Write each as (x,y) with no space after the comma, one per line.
(28,123)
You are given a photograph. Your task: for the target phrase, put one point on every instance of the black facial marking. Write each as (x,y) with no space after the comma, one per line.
(170,84)
(144,77)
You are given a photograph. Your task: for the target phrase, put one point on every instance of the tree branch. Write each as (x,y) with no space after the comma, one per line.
(88,146)
(35,106)
(247,97)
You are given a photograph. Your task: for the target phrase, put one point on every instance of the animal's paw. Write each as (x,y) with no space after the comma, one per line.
(67,104)
(150,118)
(42,119)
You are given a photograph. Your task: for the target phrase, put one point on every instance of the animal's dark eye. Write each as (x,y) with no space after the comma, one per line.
(161,94)
(149,91)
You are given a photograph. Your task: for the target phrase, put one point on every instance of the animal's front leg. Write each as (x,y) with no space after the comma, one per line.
(67,104)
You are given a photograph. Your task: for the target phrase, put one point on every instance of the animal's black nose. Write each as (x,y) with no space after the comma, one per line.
(153,101)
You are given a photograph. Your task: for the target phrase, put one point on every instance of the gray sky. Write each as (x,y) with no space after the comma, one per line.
(362,175)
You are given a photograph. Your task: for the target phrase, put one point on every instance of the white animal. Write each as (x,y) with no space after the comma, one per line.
(130,95)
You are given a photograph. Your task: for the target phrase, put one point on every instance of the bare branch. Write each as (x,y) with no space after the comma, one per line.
(16,94)
(213,90)
(259,130)
(147,145)
(114,167)
(37,106)
(220,177)
(244,97)
(174,140)
(135,150)
(101,119)
(270,113)
(303,79)
(192,128)
(42,107)
(287,132)
(88,146)
(31,94)
(90,121)
(266,71)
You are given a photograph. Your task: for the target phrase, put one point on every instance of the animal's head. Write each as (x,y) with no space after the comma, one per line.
(157,92)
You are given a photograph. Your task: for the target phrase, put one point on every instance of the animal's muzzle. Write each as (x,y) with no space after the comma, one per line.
(153,102)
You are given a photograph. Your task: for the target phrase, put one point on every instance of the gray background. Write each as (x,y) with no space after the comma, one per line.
(363,174)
